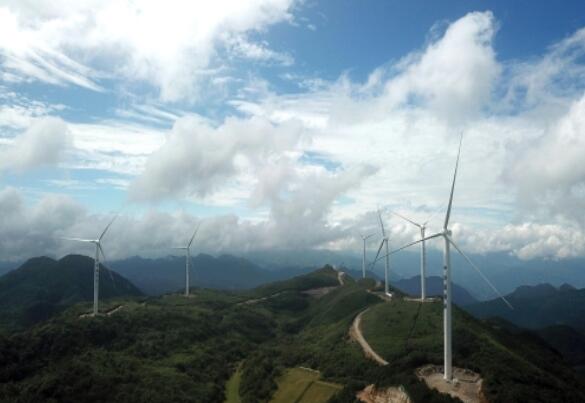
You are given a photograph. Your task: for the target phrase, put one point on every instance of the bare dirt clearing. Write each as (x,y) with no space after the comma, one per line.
(371,394)
(466,385)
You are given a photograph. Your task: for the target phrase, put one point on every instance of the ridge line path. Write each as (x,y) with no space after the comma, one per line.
(340,276)
(356,333)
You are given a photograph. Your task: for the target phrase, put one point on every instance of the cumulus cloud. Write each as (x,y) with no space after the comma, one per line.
(549,169)
(171,44)
(310,168)
(197,158)
(526,240)
(453,75)
(43,143)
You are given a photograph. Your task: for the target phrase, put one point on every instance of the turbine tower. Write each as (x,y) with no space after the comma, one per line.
(187,250)
(96,270)
(365,238)
(447,301)
(384,242)
(423,253)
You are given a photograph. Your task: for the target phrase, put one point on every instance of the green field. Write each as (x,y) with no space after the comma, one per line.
(233,387)
(303,386)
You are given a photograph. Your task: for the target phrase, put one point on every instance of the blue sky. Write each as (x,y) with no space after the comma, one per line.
(286,124)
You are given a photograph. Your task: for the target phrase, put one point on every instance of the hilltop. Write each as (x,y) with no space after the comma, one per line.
(434,287)
(43,287)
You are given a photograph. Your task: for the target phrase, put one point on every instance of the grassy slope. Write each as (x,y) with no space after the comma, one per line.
(515,368)
(301,385)
(233,387)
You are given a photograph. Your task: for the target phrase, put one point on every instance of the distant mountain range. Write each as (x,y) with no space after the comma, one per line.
(42,287)
(434,285)
(536,307)
(507,272)
(159,276)
(557,315)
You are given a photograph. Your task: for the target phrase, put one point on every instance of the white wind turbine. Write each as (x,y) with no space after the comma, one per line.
(187,250)
(423,253)
(384,242)
(448,242)
(96,270)
(365,238)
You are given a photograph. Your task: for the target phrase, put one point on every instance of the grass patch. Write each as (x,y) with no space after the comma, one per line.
(302,385)
(320,391)
(232,387)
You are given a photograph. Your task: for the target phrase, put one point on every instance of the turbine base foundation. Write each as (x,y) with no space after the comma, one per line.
(466,385)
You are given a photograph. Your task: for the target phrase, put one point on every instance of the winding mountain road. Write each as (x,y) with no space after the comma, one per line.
(355,333)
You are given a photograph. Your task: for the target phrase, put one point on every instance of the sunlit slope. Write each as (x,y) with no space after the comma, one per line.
(515,368)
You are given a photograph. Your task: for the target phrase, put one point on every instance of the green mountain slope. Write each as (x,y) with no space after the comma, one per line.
(42,287)
(517,367)
(178,349)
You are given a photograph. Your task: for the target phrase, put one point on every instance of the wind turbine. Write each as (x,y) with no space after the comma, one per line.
(448,242)
(187,250)
(423,253)
(96,270)
(384,242)
(365,238)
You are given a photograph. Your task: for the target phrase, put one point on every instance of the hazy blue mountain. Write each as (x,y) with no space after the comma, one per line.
(159,276)
(43,286)
(536,307)
(507,272)
(411,286)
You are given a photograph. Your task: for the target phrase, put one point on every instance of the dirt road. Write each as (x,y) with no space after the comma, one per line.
(355,333)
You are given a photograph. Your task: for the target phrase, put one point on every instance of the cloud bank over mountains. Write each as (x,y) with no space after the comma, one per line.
(297,169)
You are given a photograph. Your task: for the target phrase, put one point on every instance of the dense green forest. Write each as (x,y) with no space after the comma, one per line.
(43,287)
(172,348)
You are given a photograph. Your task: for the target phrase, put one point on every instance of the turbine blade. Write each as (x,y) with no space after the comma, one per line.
(407,246)
(381,223)
(78,239)
(108,226)
(194,233)
(404,218)
(453,185)
(102,253)
(480,273)
(104,264)
(377,254)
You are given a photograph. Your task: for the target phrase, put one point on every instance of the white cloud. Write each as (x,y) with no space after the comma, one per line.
(198,158)
(242,47)
(170,44)
(455,75)
(549,169)
(43,143)
(310,168)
